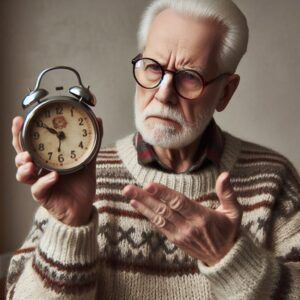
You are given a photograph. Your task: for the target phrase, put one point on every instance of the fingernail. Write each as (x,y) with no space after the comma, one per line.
(133,203)
(129,193)
(133,194)
(51,176)
(151,189)
(26,168)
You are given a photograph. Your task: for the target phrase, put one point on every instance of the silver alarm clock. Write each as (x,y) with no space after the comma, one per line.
(60,132)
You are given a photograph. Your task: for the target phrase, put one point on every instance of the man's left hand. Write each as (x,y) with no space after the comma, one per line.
(204,233)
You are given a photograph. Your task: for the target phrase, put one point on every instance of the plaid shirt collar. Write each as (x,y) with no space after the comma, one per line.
(209,151)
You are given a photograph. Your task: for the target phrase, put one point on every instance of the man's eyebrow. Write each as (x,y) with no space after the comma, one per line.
(160,58)
(197,69)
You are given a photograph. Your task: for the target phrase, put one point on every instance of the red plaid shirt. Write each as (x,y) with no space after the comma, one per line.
(209,151)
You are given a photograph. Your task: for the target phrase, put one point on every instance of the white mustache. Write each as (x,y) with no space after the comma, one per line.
(165,112)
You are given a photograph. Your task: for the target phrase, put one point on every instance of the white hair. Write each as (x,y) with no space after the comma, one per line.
(224,12)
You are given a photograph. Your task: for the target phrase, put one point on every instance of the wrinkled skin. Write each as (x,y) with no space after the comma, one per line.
(203,233)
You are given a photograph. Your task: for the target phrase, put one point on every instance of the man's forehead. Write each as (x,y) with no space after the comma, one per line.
(187,40)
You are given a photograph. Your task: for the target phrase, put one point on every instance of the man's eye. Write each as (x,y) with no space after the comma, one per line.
(153,68)
(189,76)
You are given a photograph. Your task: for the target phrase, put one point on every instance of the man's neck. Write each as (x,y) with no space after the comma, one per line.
(178,160)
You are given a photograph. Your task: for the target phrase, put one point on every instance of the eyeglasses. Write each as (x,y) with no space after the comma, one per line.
(188,84)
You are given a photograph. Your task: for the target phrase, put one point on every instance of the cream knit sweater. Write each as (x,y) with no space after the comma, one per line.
(119,255)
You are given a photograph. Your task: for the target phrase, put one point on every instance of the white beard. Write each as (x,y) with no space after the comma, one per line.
(169,136)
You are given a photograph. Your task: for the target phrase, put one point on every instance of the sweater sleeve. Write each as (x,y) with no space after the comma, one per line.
(249,271)
(56,261)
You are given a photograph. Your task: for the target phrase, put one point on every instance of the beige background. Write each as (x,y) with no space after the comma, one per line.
(98,38)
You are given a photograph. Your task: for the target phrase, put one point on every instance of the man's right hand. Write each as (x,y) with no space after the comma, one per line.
(68,198)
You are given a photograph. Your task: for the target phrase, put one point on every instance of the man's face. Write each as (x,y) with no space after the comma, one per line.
(178,42)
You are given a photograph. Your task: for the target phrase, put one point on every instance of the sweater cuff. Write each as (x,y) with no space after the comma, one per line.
(241,270)
(68,244)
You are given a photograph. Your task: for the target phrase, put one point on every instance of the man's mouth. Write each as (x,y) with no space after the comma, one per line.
(162,119)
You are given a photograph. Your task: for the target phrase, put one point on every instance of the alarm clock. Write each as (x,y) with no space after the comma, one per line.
(61,133)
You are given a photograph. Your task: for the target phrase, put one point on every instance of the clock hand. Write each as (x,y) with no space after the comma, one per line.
(61,135)
(51,130)
(59,141)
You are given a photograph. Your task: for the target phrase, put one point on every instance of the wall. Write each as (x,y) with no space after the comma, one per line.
(266,106)
(98,39)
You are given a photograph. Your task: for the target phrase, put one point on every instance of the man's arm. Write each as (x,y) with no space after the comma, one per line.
(250,271)
(60,261)
(246,270)
(56,260)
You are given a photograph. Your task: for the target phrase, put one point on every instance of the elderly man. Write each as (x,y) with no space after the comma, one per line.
(180,209)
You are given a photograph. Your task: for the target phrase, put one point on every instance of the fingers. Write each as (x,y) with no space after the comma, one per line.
(227,195)
(16,128)
(22,158)
(41,188)
(157,220)
(156,206)
(175,200)
(27,173)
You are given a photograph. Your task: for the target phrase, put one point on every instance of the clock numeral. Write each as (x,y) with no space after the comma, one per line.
(72,114)
(60,158)
(47,114)
(84,132)
(80,121)
(50,155)
(36,135)
(39,124)
(80,145)
(73,154)
(41,147)
(59,110)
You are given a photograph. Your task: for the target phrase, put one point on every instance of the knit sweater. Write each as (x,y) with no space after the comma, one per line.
(120,255)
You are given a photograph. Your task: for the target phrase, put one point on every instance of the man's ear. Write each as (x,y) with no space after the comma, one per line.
(228,91)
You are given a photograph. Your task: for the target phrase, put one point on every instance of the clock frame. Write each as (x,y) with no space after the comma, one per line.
(59,130)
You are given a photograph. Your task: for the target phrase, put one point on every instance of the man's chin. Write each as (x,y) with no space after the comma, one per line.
(166,138)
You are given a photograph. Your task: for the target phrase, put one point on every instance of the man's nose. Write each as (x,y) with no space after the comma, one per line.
(166,92)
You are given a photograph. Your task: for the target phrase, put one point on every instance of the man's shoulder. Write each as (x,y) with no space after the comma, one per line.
(113,155)
(256,154)
(252,148)
(112,163)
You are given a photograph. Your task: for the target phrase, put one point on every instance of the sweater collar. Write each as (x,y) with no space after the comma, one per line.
(210,148)
(192,185)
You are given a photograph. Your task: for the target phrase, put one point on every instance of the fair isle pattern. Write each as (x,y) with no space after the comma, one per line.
(80,277)
(143,249)
(256,194)
(22,255)
(121,256)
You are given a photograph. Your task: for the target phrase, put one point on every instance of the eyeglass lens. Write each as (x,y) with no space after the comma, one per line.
(149,74)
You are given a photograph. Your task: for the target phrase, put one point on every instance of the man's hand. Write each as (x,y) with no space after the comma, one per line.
(68,198)
(203,233)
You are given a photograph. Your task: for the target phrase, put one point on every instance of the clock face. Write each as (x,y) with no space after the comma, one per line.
(61,135)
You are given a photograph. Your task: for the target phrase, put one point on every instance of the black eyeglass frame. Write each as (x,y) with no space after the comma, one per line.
(164,71)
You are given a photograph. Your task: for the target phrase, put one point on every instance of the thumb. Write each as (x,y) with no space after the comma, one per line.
(227,197)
